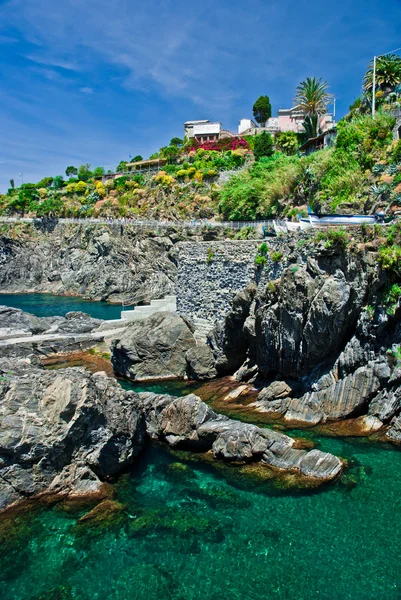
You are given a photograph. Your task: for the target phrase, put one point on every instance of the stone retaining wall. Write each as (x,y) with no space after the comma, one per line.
(210,274)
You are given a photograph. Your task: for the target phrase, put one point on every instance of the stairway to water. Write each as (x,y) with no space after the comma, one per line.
(168,303)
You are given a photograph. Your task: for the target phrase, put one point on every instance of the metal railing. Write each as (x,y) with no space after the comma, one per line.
(142,223)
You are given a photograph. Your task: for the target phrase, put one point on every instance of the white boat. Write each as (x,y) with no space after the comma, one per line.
(337,220)
(291,226)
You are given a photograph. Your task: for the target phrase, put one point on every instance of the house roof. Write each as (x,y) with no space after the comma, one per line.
(150,161)
(196,122)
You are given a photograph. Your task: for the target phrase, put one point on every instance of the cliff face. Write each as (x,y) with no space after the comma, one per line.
(322,338)
(98,262)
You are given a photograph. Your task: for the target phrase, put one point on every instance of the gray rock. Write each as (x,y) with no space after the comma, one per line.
(190,423)
(200,362)
(340,400)
(153,348)
(276,390)
(385,404)
(65,430)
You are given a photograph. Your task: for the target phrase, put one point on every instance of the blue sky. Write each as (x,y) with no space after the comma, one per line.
(84,81)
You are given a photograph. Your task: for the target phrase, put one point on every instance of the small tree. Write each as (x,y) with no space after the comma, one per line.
(137,158)
(45,182)
(98,172)
(12,183)
(71,171)
(122,166)
(176,141)
(262,110)
(58,182)
(84,172)
(263,145)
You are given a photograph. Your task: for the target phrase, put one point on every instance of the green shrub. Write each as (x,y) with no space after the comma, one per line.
(333,237)
(263,248)
(260,260)
(210,256)
(276,256)
(396,153)
(390,298)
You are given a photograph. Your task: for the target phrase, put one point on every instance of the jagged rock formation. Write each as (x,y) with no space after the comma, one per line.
(310,341)
(153,348)
(188,422)
(64,431)
(99,262)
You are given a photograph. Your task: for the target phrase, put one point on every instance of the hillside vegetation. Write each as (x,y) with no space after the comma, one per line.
(248,178)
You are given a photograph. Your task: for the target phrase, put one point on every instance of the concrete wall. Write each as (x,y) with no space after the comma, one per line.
(206,287)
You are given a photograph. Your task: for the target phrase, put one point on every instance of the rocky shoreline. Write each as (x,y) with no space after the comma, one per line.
(69,431)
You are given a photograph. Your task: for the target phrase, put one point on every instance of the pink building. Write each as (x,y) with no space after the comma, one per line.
(291,119)
(288,119)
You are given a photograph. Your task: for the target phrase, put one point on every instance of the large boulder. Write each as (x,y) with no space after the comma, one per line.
(153,348)
(201,364)
(65,430)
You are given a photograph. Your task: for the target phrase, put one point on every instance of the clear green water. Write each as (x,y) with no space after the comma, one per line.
(47,305)
(189,532)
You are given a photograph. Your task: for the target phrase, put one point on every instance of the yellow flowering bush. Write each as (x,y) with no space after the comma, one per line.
(71,188)
(80,187)
(42,192)
(101,190)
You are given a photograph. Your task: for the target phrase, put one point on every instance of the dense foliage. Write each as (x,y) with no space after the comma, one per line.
(262,110)
(353,176)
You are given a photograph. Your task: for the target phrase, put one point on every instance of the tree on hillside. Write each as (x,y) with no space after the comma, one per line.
(12,183)
(176,141)
(170,152)
(122,166)
(388,74)
(312,96)
(137,158)
(84,172)
(262,110)
(263,145)
(71,171)
(98,172)
(311,126)
(58,182)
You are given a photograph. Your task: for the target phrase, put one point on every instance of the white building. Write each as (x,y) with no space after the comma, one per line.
(203,131)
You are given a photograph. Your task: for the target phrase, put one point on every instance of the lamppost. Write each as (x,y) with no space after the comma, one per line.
(374,77)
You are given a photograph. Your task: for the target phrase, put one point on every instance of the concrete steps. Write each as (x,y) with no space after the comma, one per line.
(168,303)
(202,328)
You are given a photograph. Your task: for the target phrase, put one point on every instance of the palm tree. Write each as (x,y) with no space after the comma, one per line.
(388,74)
(311,126)
(312,96)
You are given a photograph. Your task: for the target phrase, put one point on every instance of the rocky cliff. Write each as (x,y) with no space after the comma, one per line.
(100,262)
(322,338)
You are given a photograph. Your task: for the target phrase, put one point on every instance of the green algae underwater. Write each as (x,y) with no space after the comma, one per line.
(178,529)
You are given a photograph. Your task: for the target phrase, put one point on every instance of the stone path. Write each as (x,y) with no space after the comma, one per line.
(53,337)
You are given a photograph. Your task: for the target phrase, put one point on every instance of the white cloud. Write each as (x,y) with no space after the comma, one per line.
(86,90)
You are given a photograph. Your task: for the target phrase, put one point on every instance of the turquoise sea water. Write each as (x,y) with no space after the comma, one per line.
(183,530)
(187,531)
(47,305)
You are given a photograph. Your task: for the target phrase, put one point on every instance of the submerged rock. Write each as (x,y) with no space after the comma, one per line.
(189,422)
(153,348)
